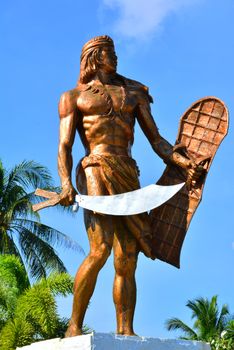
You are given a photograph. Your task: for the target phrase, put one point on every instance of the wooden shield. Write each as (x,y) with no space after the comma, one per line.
(202,128)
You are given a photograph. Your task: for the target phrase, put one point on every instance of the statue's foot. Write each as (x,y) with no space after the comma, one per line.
(127,332)
(73,331)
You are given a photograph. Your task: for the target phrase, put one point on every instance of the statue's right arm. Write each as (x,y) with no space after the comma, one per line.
(68,122)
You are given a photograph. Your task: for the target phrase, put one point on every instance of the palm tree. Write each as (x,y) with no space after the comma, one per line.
(28,314)
(230,329)
(14,281)
(209,321)
(21,232)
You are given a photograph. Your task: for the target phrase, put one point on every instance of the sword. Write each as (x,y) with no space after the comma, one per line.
(128,203)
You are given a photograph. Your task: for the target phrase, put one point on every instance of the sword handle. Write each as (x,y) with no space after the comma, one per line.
(75,207)
(54,199)
(49,203)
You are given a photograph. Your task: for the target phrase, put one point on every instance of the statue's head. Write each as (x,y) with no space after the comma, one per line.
(97,53)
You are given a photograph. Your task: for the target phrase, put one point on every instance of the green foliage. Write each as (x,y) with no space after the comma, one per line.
(29,313)
(13,272)
(210,324)
(222,343)
(230,329)
(16,333)
(226,340)
(14,281)
(21,232)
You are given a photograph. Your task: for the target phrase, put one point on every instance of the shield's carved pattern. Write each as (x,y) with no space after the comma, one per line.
(202,128)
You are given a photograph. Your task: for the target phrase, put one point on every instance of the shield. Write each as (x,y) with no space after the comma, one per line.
(202,128)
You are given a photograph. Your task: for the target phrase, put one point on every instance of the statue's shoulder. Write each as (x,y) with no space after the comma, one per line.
(68,101)
(141,89)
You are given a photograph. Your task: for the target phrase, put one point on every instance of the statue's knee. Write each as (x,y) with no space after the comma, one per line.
(105,250)
(125,266)
(100,256)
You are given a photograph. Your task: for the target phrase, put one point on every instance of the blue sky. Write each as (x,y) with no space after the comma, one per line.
(183,50)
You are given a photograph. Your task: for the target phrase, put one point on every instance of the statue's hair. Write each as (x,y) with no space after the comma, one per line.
(89,65)
(90,57)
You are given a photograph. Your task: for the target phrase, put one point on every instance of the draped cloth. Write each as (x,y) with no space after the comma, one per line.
(118,174)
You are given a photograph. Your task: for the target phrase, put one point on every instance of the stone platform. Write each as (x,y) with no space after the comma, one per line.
(105,341)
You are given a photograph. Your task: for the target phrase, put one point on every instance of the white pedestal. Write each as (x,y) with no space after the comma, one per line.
(104,341)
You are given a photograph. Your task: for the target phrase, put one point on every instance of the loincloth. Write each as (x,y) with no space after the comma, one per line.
(118,174)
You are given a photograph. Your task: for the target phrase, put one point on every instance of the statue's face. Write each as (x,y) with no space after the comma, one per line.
(108,59)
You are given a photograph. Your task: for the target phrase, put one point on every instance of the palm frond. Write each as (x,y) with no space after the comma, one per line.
(17,332)
(60,284)
(230,330)
(29,174)
(38,306)
(209,321)
(22,208)
(48,234)
(6,242)
(14,208)
(13,272)
(14,281)
(195,307)
(32,314)
(17,220)
(2,177)
(223,317)
(11,195)
(8,246)
(177,324)
(38,254)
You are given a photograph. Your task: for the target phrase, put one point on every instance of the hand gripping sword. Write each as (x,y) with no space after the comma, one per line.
(128,203)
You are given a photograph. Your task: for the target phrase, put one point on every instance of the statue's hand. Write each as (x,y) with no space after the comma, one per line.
(67,196)
(194,172)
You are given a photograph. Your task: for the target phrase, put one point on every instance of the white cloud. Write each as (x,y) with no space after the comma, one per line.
(142,18)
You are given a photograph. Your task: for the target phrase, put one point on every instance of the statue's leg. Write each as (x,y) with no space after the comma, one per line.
(124,291)
(100,233)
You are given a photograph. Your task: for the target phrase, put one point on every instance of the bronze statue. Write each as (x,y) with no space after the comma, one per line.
(103,108)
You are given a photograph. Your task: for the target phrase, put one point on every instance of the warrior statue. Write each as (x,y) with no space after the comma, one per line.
(103,108)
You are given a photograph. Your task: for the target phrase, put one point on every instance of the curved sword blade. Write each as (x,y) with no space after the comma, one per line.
(129,203)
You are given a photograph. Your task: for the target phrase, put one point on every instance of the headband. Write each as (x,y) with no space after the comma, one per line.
(98,41)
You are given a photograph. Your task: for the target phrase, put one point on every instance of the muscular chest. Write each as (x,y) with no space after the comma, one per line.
(99,100)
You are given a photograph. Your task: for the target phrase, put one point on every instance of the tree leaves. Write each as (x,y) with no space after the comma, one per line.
(30,313)
(21,232)
(210,324)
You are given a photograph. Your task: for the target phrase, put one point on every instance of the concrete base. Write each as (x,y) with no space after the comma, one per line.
(104,341)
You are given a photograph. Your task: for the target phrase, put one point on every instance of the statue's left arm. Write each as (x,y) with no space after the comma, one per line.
(161,146)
